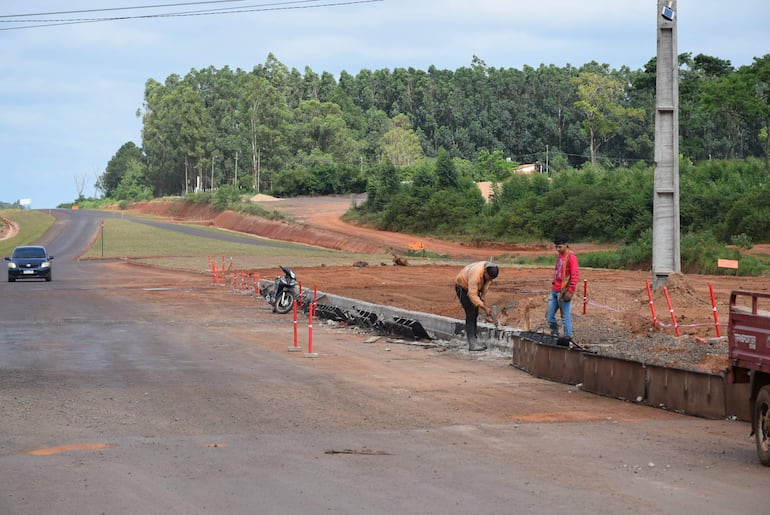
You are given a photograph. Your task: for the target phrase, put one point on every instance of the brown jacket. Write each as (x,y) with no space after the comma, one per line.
(471,279)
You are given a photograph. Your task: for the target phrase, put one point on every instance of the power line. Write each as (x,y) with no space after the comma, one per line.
(156,6)
(277,6)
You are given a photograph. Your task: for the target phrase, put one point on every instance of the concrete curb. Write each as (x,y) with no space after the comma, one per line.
(683,391)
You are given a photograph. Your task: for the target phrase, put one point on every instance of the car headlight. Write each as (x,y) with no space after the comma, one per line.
(12,265)
(45,264)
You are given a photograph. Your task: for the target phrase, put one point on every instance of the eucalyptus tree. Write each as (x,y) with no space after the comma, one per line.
(280,78)
(441,102)
(353,114)
(327,155)
(405,98)
(600,98)
(327,88)
(311,85)
(472,104)
(321,126)
(220,93)
(742,100)
(554,115)
(173,134)
(263,118)
(427,117)
(509,113)
(376,125)
(400,145)
(702,134)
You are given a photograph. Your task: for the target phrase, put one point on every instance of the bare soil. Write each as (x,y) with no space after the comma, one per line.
(8,229)
(612,312)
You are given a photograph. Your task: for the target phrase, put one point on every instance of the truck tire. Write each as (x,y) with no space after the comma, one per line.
(762,425)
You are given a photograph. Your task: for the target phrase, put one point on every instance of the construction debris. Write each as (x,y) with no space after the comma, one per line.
(398,260)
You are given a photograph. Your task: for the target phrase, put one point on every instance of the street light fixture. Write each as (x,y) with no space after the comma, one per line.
(668,12)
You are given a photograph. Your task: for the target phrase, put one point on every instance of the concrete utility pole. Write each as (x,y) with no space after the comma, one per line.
(665,211)
(236,168)
(211,186)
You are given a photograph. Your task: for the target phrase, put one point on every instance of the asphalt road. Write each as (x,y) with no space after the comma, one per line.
(136,391)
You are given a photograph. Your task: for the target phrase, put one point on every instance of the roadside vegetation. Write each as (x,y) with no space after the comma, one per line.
(32,225)
(722,212)
(126,239)
(418,141)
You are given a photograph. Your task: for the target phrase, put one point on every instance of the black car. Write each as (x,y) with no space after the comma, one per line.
(29,262)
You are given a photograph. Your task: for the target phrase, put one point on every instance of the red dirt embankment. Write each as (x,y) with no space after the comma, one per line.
(316,221)
(8,229)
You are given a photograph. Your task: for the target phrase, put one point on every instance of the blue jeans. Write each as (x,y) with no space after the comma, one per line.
(554,304)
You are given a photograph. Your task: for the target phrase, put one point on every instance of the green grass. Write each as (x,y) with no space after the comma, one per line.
(32,225)
(125,239)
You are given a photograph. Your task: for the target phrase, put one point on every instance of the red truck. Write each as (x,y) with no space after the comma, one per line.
(749,354)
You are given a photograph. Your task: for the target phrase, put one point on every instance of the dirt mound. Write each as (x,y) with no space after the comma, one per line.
(261,197)
(205,214)
(8,229)
(175,210)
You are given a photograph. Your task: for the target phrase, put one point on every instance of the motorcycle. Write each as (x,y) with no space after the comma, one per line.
(282,293)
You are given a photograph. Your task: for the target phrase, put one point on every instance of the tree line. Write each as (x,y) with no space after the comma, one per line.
(285,132)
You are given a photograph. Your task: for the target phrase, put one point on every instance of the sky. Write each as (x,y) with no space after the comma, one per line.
(70,93)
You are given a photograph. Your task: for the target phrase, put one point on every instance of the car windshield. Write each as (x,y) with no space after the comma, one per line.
(29,252)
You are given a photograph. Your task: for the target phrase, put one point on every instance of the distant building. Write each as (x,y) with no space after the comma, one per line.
(527,169)
(25,203)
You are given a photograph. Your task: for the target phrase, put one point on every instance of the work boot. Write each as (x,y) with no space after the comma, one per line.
(474,345)
(554,327)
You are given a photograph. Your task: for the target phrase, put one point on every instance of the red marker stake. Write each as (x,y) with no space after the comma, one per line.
(295,348)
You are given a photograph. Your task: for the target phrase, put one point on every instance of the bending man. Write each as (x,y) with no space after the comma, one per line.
(471,284)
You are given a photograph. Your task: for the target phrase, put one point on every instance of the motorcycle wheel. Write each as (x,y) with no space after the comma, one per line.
(284,302)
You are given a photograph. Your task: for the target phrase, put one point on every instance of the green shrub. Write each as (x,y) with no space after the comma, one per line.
(225,196)
(742,240)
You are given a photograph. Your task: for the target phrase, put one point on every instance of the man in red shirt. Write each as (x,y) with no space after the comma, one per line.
(471,284)
(565,280)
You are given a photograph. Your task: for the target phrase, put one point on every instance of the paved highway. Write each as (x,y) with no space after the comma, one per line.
(129,390)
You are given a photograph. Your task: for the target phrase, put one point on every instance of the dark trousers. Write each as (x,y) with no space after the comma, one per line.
(471,313)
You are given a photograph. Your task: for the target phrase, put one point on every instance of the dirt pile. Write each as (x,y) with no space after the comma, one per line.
(8,229)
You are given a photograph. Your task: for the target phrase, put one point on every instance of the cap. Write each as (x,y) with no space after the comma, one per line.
(560,240)
(492,270)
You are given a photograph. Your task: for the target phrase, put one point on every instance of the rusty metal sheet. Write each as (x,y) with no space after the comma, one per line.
(558,364)
(693,393)
(687,391)
(523,354)
(737,401)
(546,361)
(614,377)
